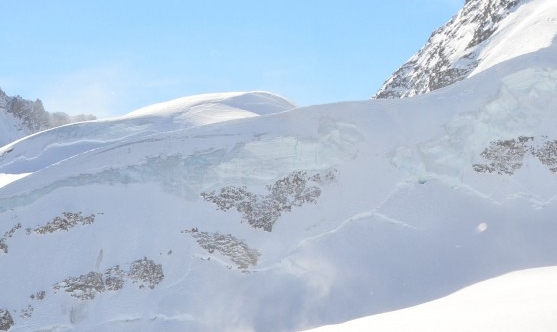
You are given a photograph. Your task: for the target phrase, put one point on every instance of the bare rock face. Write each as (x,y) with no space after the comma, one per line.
(451,53)
(6,320)
(28,117)
(227,245)
(144,272)
(507,156)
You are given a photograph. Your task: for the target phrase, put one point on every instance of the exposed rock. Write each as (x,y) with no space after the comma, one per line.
(507,156)
(227,245)
(87,286)
(7,235)
(65,222)
(84,287)
(6,320)
(114,278)
(38,296)
(547,154)
(146,271)
(262,211)
(27,312)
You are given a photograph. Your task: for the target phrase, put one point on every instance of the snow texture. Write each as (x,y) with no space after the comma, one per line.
(519,301)
(155,221)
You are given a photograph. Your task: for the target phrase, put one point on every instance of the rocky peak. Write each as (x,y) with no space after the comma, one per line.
(452,52)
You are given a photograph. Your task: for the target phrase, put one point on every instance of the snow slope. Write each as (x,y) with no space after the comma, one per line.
(48,147)
(528,29)
(200,215)
(482,34)
(519,301)
(129,235)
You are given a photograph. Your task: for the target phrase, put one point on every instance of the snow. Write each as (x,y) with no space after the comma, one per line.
(403,212)
(374,220)
(459,49)
(6,179)
(531,27)
(48,147)
(519,301)
(231,105)
(8,126)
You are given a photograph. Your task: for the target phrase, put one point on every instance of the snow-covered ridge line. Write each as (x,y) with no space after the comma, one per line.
(257,102)
(42,149)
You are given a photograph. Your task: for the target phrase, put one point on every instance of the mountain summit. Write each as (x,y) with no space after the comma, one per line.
(484,32)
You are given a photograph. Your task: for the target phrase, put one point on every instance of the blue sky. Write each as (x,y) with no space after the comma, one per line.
(111,57)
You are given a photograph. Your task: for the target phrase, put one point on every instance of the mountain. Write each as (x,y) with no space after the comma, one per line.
(241,212)
(483,33)
(20,117)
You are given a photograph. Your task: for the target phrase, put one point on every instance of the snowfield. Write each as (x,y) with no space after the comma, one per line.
(519,301)
(240,212)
